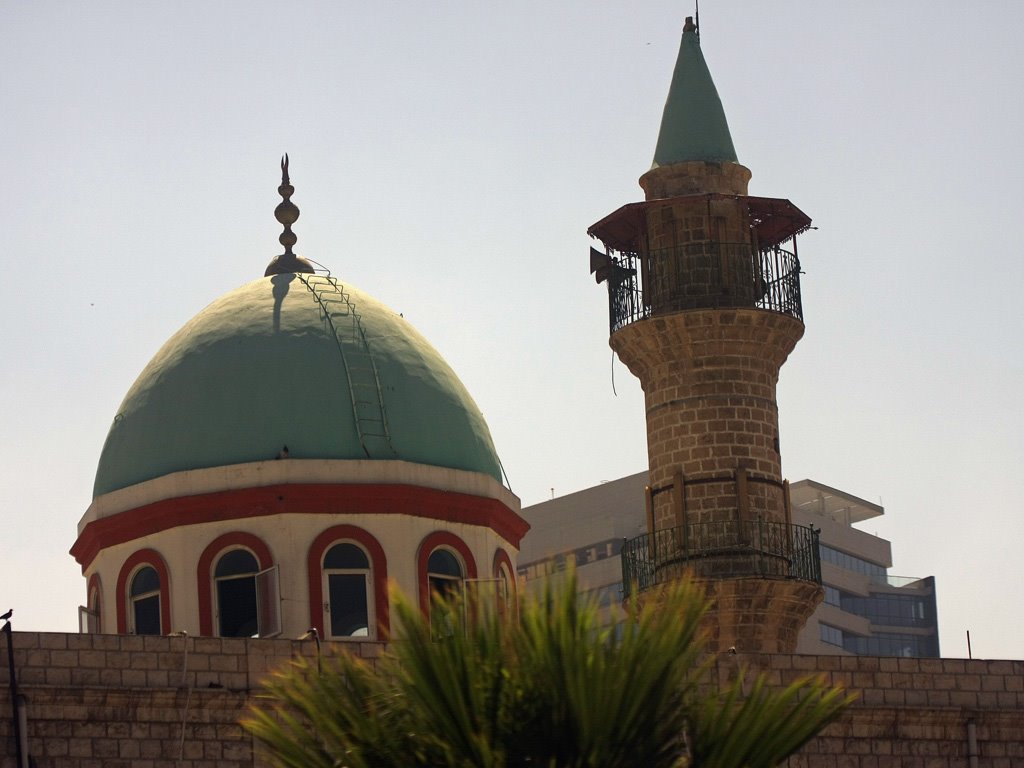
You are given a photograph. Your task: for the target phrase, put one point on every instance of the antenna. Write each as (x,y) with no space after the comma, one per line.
(696,16)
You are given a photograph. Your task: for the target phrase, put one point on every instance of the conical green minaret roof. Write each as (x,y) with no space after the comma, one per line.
(693,125)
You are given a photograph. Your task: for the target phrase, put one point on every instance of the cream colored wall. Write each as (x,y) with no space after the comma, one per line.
(289,538)
(258,474)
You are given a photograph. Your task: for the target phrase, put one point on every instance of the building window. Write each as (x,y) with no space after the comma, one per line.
(348,586)
(142,602)
(235,580)
(444,574)
(444,565)
(833,596)
(892,644)
(89,621)
(504,590)
(830,635)
(505,586)
(238,586)
(144,599)
(446,579)
(873,571)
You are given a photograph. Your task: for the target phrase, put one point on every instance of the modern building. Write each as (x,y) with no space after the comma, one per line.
(866,612)
(584,531)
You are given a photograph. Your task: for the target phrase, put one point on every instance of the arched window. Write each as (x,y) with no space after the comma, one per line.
(446,578)
(444,563)
(348,610)
(144,600)
(235,578)
(504,596)
(507,588)
(348,584)
(445,574)
(238,587)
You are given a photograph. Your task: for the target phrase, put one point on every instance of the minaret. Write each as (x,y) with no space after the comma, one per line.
(704,303)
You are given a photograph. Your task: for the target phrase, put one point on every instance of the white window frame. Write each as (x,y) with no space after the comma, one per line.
(368,585)
(268,602)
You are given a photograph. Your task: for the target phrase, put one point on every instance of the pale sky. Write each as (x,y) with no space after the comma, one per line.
(448,158)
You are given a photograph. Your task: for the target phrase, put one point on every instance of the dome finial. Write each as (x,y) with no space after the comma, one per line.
(287,213)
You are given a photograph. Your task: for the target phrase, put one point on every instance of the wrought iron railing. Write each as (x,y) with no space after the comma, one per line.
(703,275)
(727,549)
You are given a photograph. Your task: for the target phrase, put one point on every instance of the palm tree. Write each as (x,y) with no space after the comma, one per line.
(551,690)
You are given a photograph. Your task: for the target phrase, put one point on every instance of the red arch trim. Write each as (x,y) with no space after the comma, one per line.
(427,546)
(379,567)
(143,557)
(204,571)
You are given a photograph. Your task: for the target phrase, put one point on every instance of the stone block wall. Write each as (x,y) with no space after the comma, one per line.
(914,713)
(108,700)
(709,380)
(121,700)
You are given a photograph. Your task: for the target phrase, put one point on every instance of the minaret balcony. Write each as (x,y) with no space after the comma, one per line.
(721,550)
(702,275)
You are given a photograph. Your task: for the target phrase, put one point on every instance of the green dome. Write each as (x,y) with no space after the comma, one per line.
(298,361)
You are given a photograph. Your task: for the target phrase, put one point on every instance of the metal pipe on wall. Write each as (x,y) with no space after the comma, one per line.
(18,714)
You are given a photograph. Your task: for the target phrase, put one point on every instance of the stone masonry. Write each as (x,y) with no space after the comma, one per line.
(708,360)
(117,701)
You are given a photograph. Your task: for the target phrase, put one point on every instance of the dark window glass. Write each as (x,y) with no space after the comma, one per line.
(345,556)
(145,602)
(147,615)
(145,581)
(891,644)
(348,580)
(851,563)
(235,577)
(444,576)
(349,614)
(236,606)
(890,609)
(236,562)
(444,563)
(831,635)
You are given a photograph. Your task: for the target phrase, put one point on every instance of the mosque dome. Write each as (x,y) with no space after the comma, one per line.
(296,360)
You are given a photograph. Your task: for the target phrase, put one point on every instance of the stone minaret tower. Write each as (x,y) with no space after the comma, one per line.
(704,302)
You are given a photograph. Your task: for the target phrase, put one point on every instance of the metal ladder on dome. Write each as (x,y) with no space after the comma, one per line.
(339,312)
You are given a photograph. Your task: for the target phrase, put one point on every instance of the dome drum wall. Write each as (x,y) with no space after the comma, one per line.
(104,527)
(289,538)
